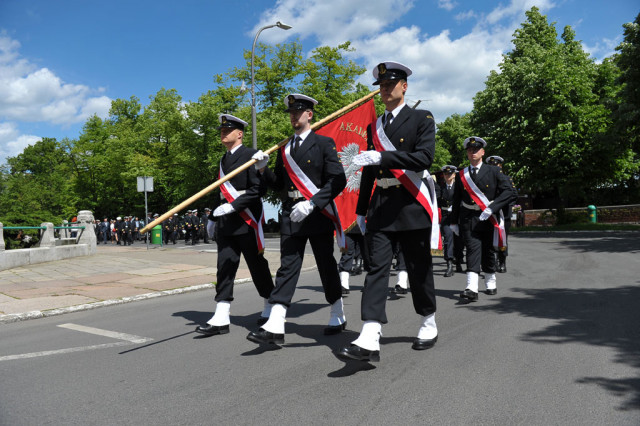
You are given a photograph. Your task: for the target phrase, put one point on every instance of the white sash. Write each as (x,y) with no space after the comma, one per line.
(499,233)
(308,189)
(230,194)
(425,194)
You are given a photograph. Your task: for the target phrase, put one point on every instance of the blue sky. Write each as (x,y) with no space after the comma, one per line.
(62,61)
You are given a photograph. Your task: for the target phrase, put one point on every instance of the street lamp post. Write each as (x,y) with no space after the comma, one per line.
(254,134)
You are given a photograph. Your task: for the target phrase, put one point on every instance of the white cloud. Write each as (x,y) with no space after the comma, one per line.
(603,49)
(447,4)
(448,72)
(12,142)
(32,94)
(331,21)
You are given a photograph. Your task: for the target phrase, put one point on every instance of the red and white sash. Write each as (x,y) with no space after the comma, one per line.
(424,193)
(499,233)
(308,189)
(230,194)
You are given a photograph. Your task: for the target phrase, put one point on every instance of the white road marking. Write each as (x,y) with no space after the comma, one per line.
(128,340)
(63,351)
(114,335)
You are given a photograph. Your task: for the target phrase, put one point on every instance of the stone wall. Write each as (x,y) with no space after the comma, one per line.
(49,250)
(604,214)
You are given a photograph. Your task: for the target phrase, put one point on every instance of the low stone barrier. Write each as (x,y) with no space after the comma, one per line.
(49,250)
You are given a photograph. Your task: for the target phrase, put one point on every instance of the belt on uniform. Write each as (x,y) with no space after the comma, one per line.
(295,194)
(472,206)
(239,193)
(385,183)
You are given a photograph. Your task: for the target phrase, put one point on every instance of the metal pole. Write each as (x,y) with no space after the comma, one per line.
(254,133)
(146,213)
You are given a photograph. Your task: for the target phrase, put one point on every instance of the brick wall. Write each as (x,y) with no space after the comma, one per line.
(604,214)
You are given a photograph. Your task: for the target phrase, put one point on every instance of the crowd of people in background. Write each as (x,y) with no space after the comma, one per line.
(191,228)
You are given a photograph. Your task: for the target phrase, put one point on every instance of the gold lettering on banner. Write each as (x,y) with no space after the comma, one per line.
(349,127)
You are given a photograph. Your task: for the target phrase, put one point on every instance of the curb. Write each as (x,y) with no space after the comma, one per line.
(11,318)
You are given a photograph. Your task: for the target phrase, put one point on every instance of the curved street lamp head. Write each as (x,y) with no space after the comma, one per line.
(283,25)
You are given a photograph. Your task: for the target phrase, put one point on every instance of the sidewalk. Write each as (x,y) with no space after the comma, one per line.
(115,274)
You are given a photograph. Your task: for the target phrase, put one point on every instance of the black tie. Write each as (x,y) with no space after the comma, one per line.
(473,173)
(387,120)
(296,144)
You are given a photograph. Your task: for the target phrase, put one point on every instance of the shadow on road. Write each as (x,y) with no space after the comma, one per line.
(599,242)
(599,317)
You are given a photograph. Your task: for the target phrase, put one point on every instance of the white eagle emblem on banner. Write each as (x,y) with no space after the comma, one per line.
(352,172)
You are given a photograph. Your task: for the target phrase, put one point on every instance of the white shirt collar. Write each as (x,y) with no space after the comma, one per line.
(477,167)
(234,149)
(302,136)
(396,111)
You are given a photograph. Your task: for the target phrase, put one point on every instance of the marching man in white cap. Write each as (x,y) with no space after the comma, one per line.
(481,191)
(402,209)
(239,217)
(309,172)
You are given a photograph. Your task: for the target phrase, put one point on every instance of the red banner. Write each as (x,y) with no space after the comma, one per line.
(350,134)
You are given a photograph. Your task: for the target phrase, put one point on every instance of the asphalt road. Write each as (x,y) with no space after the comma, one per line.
(558,344)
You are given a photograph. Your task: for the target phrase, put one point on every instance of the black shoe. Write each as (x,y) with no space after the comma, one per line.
(334,329)
(502,267)
(263,336)
(450,271)
(359,354)
(262,320)
(212,330)
(422,344)
(459,267)
(399,290)
(469,296)
(345,291)
(491,291)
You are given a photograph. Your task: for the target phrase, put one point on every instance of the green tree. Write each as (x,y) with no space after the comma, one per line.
(37,186)
(627,114)
(544,114)
(451,133)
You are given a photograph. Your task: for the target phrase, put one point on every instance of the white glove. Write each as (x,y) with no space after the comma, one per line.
(362,223)
(455,229)
(486,213)
(223,209)
(301,210)
(367,158)
(261,158)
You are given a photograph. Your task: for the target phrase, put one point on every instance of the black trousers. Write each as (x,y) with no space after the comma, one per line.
(169,235)
(416,250)
(229,250)
(478,239)
(356,249)
(291,255)
(502,254)
(452,244)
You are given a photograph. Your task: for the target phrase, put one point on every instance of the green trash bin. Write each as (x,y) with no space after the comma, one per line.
(156,235)
(593,214)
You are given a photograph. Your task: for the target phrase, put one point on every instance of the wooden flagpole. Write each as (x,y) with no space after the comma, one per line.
(250,163)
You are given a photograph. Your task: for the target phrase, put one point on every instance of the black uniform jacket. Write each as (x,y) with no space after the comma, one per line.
(318,159)
(494,184)
(412,132)
(508,209)
(248,181)
(445,200)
